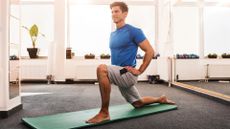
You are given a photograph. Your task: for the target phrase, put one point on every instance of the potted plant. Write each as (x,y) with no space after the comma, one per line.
(33,32)
(225,55)
(89,56)
(105,56)
(210,55)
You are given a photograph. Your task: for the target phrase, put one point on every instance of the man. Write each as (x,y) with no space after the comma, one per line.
(124,43)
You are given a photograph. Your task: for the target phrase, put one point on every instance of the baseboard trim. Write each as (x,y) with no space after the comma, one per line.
(221,98)
(6,114)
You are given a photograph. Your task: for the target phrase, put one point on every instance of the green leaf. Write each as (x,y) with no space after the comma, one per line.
(34,31)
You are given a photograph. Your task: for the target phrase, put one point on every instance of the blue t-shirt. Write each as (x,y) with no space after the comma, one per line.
(124,45)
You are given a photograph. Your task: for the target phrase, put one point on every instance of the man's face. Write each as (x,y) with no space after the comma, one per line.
(117,14)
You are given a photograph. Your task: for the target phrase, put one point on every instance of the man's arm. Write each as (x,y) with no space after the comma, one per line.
(149,52)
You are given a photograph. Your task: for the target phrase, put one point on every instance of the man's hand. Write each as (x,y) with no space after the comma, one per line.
(133,70)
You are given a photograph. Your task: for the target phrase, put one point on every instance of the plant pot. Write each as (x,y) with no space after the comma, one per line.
(33,52)
(89,57)
(105,57)
(225,55)
(213,56)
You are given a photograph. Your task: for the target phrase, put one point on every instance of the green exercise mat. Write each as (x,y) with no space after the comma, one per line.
(74,120)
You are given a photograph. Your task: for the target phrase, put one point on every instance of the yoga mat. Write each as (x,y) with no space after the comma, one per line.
(74,120)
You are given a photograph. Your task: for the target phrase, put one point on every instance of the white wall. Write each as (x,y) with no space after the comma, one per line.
(217,30)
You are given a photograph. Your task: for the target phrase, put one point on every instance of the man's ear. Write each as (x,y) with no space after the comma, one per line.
(125,13)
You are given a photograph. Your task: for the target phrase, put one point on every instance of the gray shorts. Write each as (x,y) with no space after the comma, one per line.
(125,82)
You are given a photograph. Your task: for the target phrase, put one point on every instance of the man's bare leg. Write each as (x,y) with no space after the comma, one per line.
(105,88)
(150,100)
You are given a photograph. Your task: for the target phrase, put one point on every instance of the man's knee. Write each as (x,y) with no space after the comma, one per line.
(102,69)
(138,104)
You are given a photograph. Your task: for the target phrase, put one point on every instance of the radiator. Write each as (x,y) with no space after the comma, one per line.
(218,70)
(33,71)
(86,72)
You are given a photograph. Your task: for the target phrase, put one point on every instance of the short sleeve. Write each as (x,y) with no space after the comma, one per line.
(138,36)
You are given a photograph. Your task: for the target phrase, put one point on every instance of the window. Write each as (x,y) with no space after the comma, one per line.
(217,30)
(14,25)
(14,30)
(143,17)
(186,30)
(90,26)
(42,15)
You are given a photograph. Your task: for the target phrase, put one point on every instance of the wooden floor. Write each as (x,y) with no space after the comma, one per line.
(203,91)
